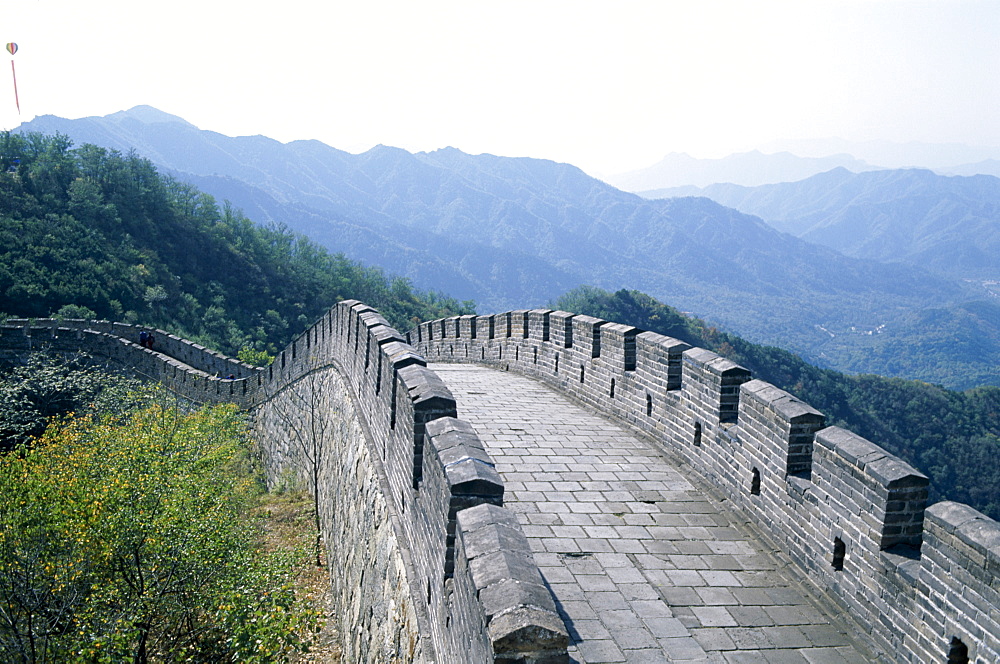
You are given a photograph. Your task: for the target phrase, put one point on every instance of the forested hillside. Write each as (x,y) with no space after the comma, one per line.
(90,232)
(953,437)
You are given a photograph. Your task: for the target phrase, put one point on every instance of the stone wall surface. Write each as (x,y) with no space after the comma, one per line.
(923,583)
(426,564)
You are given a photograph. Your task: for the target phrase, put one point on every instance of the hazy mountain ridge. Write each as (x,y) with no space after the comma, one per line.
(945,223)
(518,232)
(747,168)
(791,161)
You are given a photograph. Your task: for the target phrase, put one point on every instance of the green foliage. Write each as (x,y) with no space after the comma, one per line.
(47,386)
(258,358)
(132,541)
(953,437)
(104,233)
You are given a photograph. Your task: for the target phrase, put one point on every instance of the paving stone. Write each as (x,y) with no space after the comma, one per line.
(651,608)
(589,582)
(751,616)
(826,656)
(588,630)
(665,627)
(717,596)
(653,655)
(682,648)
(713,638)
(787,637)
(750,638)
(638,591)
(600,651)
(714,616)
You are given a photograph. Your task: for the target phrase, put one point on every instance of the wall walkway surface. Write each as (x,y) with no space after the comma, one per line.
(924,582)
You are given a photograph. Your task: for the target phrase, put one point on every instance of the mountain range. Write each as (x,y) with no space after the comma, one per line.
(747,169)
(517,233)
(948,224)
(755,168)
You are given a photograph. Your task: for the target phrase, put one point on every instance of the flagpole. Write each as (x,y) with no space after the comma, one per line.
(16,100)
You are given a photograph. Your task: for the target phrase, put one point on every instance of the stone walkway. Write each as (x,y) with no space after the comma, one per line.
(644,567)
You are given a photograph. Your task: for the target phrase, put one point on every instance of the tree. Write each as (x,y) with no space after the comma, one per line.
(131,541)
(311,419)
(47,386)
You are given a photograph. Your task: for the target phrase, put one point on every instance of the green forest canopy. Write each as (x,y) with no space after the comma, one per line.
(134,538)
(91,232)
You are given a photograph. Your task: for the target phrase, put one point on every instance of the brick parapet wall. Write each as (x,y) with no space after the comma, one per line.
(848,512)
(186,368)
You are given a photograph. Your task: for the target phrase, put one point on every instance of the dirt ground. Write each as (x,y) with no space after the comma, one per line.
(289,523)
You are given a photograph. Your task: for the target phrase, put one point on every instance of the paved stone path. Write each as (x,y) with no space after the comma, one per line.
(644,566)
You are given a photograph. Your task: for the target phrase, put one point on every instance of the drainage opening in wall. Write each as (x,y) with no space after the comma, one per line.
(755,483)
(839,551)
(958,653)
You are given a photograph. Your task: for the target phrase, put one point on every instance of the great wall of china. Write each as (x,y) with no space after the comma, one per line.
(444,547)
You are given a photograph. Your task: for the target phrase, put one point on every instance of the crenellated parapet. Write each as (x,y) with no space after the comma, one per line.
(924,582)
(432,469)
(189,369)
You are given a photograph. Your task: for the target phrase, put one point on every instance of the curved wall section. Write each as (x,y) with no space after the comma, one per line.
(418,543)
(188,369)
(924,583)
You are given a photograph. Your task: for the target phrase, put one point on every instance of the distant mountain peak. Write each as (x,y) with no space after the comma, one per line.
(149,115)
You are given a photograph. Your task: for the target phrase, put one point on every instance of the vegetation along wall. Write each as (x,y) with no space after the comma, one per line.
(924,581)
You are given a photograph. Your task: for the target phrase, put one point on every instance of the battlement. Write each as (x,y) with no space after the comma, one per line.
(461,552)
(192,371)
(923,582)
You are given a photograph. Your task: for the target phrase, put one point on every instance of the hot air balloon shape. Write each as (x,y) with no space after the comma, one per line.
(12,49)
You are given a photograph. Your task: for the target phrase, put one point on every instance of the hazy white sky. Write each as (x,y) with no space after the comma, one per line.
(609,86)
